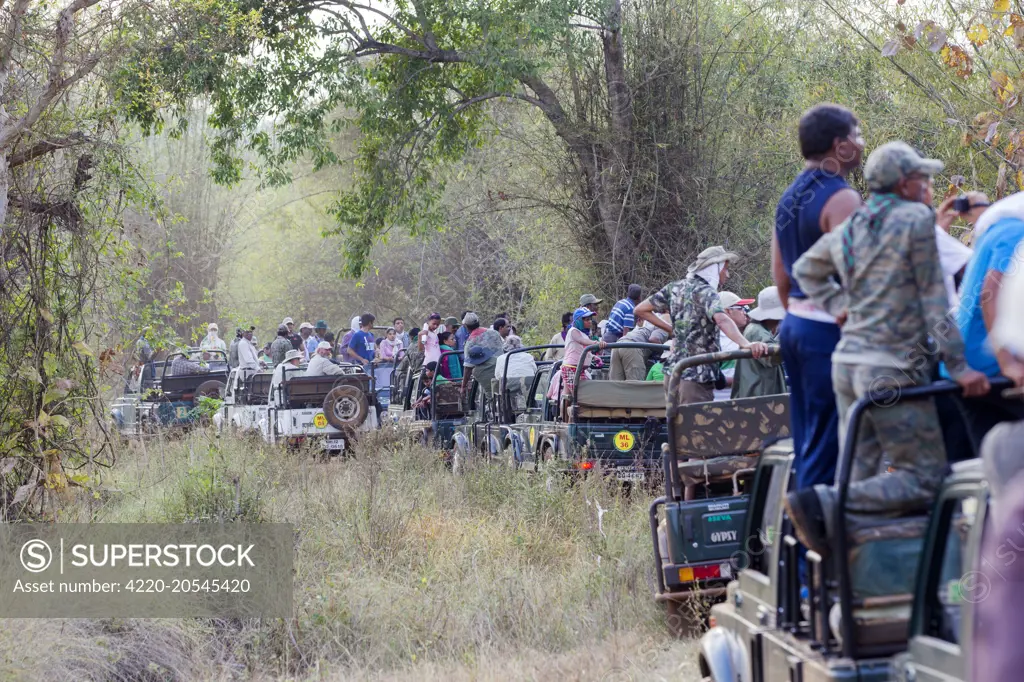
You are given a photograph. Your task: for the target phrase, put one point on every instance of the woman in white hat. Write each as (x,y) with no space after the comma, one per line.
(763,376)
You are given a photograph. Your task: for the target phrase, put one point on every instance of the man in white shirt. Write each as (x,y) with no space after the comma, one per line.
(292,359)
(248,358)
(320,364)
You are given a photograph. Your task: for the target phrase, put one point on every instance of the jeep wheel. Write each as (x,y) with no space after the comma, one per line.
(346,407)
(208,389)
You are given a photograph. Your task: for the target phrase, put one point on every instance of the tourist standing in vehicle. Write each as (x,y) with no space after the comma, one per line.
(265,359)
(697,315)
(620,319)
(893,297)
(212,341)
(479,357)
(320,364)
(316,337)
(997,234)
(390,346)
(630,364)
(817,201)
(764,376)
(591,303)
(518,369)
(305,331)
(248,358)
(361,347)
(292,335)
(503,328)
(577,340)
(461,334)
(559,340)
(281,345)
(451,324)
(428,342)
(233,349)
(450,366)
(401,335)
(1001,449)
(736,308)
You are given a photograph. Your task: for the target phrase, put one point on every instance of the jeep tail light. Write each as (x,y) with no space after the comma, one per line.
(692,573)
(586,464)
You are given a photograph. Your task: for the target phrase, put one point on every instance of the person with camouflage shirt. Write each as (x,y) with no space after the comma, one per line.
(697,315)
(891,292)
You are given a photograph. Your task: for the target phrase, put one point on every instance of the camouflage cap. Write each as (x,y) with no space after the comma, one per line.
(894,161)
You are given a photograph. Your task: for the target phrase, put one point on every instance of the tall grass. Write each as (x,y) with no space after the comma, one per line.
(402,570)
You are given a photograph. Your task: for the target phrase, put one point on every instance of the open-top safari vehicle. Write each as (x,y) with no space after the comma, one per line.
(175,399)
(506,425)
(331,409)
(709,462)
(895,600)
(615,426)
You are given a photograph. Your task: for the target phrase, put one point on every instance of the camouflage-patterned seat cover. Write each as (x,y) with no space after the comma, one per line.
(697,471)
(729,427)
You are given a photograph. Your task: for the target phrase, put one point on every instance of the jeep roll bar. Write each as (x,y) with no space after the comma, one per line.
(186,353)
(505,405)
(844,467)
(582,366)
(674,486)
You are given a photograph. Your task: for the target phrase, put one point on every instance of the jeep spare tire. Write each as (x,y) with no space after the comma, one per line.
(208,389)
(346,407)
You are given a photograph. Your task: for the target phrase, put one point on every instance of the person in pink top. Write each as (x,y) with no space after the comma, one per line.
(577,338)
(390,346)
(429,343)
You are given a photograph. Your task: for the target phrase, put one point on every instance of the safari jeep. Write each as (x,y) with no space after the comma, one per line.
(447,409)
(890,602)
(709,461)
(502,427)
(125,411)
(173,402)
(245,400)
(617,426)
(330,409)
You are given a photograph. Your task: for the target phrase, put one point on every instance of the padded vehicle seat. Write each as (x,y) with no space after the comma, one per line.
(620,400)
(718,469)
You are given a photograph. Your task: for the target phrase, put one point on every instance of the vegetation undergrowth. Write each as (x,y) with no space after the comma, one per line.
(401,569)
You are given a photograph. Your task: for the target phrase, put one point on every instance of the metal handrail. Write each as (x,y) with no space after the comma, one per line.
(506,405)
(843,472)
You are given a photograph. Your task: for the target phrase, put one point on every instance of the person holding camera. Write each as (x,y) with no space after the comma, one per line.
(953,254)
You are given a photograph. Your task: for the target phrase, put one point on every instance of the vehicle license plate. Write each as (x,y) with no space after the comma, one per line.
(335,444)
(630,475)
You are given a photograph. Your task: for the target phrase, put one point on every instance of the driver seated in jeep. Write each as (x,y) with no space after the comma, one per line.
(182,366)
(320,364)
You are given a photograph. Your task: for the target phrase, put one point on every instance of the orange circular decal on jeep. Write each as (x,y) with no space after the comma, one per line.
(624,441)
(320,421)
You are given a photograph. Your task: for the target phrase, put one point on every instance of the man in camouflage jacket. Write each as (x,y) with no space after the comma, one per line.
(891,294)
(697,315)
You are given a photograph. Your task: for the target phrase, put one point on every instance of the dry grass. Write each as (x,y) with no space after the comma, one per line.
(403,571)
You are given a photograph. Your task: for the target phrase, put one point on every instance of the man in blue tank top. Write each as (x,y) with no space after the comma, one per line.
(817,202)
